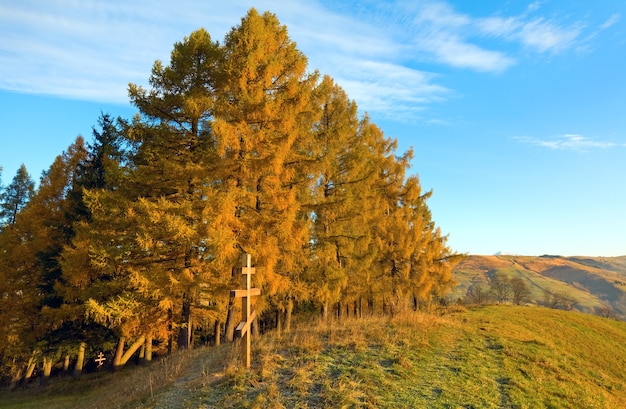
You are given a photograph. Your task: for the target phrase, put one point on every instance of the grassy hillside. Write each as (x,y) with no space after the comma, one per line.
(593,282)
(491,357)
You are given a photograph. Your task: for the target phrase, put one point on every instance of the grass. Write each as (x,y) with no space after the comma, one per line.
(491,357)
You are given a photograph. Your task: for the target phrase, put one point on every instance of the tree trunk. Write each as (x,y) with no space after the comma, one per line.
(325,311)
(30,368)
(17,377)
(80,360)
(66,363)
(231,322)
(288,313)
(279,321)
(190,331)
(185,327)
(218,333)
(47,370)
(170,337)
(131,350)
(148,357)
(117,360)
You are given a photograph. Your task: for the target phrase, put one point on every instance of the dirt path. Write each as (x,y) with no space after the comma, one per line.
(191,372)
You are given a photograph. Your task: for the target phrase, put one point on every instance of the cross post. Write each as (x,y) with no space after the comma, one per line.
(247,315)
(100,359)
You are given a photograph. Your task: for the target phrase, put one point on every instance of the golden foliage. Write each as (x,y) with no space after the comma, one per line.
(237,148)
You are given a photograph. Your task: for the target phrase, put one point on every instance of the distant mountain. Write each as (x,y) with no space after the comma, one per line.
(593,282)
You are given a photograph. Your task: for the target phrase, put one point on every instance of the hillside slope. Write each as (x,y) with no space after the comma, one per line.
(491,357)
(592,281)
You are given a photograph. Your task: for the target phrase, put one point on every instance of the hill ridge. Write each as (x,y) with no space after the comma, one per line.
(595,282)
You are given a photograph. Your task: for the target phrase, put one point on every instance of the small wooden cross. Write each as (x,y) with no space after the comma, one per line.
(100,359)
(247,315)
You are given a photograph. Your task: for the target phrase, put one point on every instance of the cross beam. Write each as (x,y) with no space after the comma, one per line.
(247,315)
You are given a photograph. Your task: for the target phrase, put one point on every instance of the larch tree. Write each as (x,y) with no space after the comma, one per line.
(386,239)
(413,259)
(236,148)
(262,127)
(19,293)
(172,168)
(36,239)
(155,249)
(337,202)
(431,259)
(99,169)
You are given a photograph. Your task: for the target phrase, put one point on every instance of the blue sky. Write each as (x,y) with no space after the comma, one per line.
(516,110)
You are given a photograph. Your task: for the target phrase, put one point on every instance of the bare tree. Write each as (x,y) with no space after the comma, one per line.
(559,300)
(521,292)
(478,294)
(501,287)
(606,311)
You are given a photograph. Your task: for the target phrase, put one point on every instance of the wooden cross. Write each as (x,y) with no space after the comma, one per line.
(100,359)
(247,315)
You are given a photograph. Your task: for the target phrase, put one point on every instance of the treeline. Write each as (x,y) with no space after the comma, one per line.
(501,289)
(236,148)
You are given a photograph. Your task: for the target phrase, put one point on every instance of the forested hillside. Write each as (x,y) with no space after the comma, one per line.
(238,147)
(594,285)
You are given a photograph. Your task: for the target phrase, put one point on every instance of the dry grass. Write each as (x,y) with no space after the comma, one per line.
(493,357)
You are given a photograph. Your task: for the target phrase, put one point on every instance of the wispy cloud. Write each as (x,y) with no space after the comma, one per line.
(545,35)
(93,49)
(569,142)
(610,21)
(537,34)
(437,32)
(534,6)
(450,49)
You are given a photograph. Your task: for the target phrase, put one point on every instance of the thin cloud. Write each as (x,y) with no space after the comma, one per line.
(92,49)
(442,34)
(450,49)
(534,6)
(547,36)
(610,21)
(437,32)
(537,34)
(571,142)
(399,92)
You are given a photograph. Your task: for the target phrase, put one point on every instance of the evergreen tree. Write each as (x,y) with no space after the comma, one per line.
(105,155)
(16,195)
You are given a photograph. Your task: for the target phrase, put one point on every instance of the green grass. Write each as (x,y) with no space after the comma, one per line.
(491,357)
